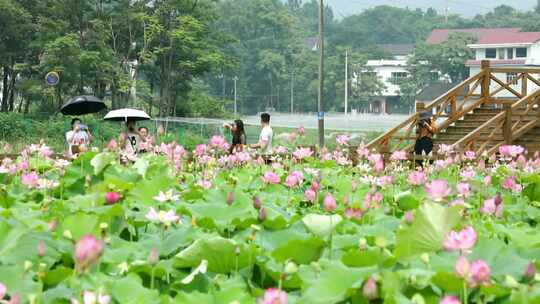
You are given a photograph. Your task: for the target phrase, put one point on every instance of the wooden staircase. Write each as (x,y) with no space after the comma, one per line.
(476,121)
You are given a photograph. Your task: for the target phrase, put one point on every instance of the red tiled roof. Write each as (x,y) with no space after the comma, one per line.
(487,35)
(497,62)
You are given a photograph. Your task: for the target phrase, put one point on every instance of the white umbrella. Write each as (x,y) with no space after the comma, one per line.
(127,115)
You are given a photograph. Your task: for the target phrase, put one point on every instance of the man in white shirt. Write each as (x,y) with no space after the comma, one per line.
(265,139)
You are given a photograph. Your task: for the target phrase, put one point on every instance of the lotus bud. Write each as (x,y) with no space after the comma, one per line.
(3,291)
(257,203)
(67,234)
(262,214)
(15,299)
(409,217)
(52,225)
(530,271)
(237,251)
(153,257)
(87,251)
(370,290)
(329,203)
(112,197)
(425,257)
(41,249)
(291,268)
(28,265)
(230,198)
(510,281)
(362,243)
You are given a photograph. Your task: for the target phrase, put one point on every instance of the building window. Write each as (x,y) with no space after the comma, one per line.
(398,77)
(512,78)
(510,53)
(521,53)
(491,53)
(501,53)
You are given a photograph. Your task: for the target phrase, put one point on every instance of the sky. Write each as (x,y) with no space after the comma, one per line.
(468,8)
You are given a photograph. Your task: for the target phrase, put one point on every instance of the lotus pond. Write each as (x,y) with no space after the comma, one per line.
(162,228)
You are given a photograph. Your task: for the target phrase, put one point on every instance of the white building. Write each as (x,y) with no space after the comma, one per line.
(503,47)
(391,72)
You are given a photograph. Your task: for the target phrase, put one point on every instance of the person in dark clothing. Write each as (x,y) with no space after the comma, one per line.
(238,135)
(424,140)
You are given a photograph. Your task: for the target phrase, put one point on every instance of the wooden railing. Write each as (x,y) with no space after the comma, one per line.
(512,122)
(461,100)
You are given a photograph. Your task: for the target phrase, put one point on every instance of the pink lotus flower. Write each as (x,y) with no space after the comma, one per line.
(310,195)
(271,178)
(417,178)
(467,174)
(280,150)
(362,151)
(445,149)
(370,290)
(292,137)
(511,184)
(464,189)
(409,217)
(353,213)
(450,300)
(200,150)
(274,296)
(204,184)
(302,153)
(398,156)
(87,251)
(457,202)
(315,186)
(511,151)
(30,180)
(342,139)
(112,145)
(377,197)
(329,203)
(470,155)
(530,271)
(438,190)
(462,267)
(217,141)
(462,241)
(487,180)
(492,206)
(112,197)
(384,181)
(480,273)
(301,130)
(3,291)
(45,151)
(166,218)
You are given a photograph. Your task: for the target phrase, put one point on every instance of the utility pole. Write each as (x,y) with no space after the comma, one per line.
(346,81)
(446,11)
(235,108)
(292,91)
(320,114)
(222,77)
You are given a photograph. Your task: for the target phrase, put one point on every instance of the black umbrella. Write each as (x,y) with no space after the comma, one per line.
(81,105)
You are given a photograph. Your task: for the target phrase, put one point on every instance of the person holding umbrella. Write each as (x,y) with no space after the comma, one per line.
(78,138)
(129,141)
(424,136)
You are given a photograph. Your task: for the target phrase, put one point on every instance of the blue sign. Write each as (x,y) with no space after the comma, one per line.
(52,78)
(320,115)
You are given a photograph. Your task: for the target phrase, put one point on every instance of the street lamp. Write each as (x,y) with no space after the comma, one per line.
(320,103)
